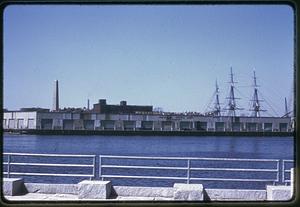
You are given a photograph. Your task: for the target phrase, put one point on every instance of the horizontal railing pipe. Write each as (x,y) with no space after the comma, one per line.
(50,174)
(143,167)
(48,155)
(190,158)
(50,165)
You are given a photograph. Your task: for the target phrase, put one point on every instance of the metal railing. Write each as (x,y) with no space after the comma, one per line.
(284,171)
(9,163)
(188,168)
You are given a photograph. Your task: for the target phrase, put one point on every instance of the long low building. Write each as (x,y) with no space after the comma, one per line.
(89,120)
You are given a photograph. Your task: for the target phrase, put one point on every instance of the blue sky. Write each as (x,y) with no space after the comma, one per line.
(167,56)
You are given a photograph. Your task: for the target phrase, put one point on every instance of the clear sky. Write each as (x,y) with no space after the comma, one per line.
(166,56)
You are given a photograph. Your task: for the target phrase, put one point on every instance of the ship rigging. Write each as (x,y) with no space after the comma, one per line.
(231,107)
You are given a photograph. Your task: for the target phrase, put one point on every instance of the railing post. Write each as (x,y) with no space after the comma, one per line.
(8,166)
(188,171)
(278,172)
(292,181)
(283,173)
(94,168)
(100,173)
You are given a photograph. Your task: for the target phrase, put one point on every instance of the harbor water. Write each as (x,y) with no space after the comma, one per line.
(153,146)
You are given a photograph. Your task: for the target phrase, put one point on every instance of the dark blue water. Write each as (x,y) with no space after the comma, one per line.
(210,147)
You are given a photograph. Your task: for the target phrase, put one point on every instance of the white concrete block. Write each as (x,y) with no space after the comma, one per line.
(94,189)
(13,186)
(236,194)
(292,181)
(144,191)
(51,188)
(188,191)
(278,193)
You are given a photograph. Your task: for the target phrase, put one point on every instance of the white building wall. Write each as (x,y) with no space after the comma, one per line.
(67,116)
(94,116)
(137,117)
(24,120)
(153,117)
(123,117)
(76,116)
(97,124)
(58,123)
(100,116)
(19,117)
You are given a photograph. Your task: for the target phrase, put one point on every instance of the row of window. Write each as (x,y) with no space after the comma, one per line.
(164,125)
(150,125)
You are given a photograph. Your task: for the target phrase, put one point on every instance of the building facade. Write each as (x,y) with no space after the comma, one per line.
(88,120)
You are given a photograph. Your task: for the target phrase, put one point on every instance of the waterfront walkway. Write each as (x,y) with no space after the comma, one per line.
(70,197)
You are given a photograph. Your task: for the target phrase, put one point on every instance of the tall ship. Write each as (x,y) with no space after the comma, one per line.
(124,119)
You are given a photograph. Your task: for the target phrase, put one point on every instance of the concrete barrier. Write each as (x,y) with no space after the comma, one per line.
(13,186)
(278,193)
(94,189)
(52,188)
(133,191)
(235,194)
(188,192)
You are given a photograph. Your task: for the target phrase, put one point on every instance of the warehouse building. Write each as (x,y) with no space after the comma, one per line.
(132,117)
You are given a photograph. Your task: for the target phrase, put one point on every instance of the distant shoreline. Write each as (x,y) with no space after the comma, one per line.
(145,133)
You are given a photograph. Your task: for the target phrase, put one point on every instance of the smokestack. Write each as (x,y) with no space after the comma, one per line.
(56,97)
(88,104)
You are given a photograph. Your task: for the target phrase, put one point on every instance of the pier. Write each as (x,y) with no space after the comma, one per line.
(148,133)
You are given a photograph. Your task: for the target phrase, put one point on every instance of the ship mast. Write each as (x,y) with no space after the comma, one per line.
(287,112)
(286,108)
(232,103)
(217,108)
(255,101)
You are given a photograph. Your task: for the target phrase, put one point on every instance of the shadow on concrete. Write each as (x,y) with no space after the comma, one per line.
(113,193)
(205,196)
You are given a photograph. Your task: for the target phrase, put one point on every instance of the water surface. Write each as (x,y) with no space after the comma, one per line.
(169,146)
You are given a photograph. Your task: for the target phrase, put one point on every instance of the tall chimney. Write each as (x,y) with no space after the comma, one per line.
(88,104)
(56,97)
